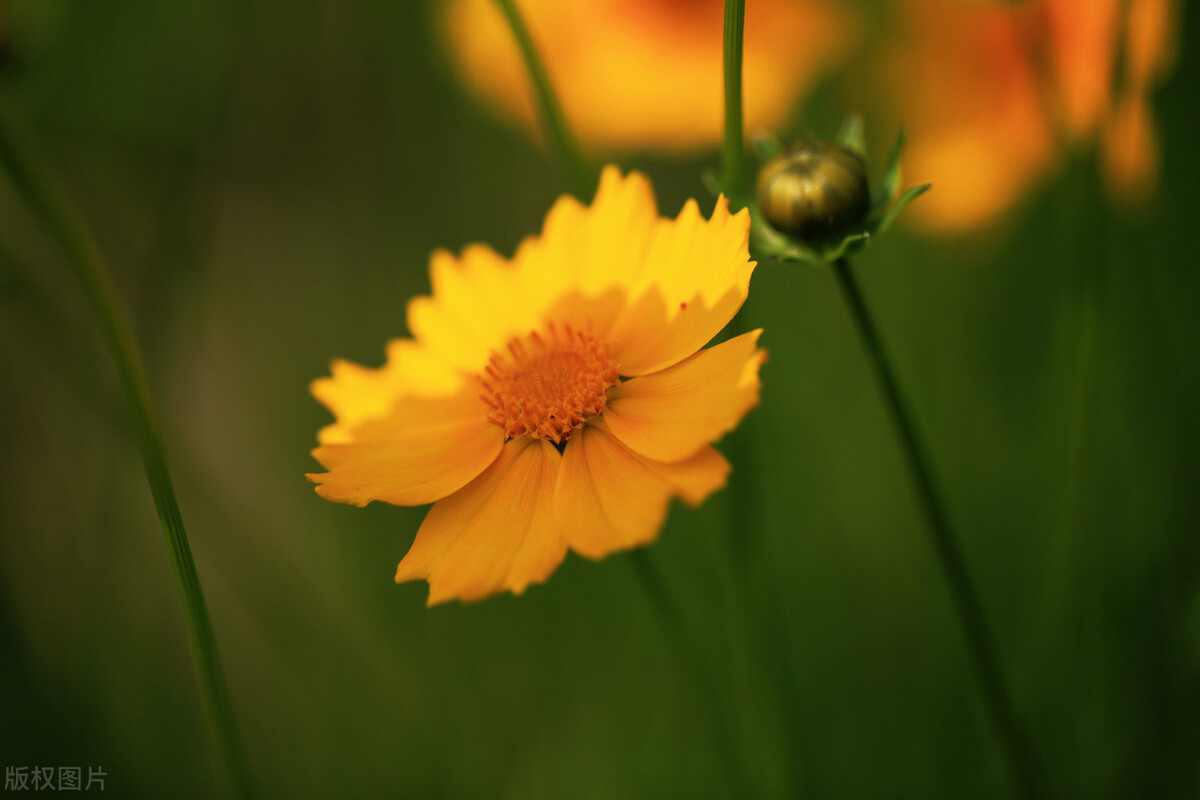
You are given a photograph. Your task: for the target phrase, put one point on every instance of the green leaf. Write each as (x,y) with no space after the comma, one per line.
(766,242)
(21,161)
(889,182)
(912,193)
(848,246)
(767,147)
(712,182)
(851,135)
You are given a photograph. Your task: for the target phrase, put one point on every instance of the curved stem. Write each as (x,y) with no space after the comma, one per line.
(945,543)
(733,150)
(41,193)
(580,176)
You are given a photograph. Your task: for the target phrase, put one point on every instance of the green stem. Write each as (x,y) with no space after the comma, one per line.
(733,179)
(762,619)
(742,505)
(689,652)
(580,176)
(954,568)
(733,171)
(1081,317)
(733,150)
(34,184)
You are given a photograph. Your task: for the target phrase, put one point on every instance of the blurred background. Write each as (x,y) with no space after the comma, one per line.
(268,179)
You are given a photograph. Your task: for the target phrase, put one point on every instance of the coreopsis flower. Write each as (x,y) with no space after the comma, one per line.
(634,74)
(555,400)
(994,92)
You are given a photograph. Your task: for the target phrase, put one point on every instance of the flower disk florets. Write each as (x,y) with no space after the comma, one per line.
(547,385)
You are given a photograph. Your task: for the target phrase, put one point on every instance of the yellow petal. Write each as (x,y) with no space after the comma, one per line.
(697,476)
(496,533)
(678,281)
(591,249)
(477,306)
(668,415)
(608,498)
(696,277)
(423,450)
(655,289)
(357,394)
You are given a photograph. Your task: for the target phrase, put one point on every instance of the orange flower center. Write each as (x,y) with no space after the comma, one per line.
(547,385)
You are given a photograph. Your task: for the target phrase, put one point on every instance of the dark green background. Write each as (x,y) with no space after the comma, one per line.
(268,179)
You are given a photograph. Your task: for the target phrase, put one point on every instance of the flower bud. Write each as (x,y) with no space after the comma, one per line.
(814,191)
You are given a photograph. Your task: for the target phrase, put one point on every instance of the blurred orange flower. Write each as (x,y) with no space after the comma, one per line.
(648,73)
(992,92)
(964,88)
(558,399)
(1130,137)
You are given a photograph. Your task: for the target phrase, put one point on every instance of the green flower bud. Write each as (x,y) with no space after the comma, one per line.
(814,191)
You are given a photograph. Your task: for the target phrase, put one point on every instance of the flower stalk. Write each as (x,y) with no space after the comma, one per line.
(954,569)
(580,177)
(763,620)
(733,184)
(733,149)
(41,193)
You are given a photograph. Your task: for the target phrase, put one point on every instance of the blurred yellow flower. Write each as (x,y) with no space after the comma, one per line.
(558,399)
(991,91)
(648,73)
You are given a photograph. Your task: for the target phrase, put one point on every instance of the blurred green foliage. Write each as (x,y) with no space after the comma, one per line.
(268,180)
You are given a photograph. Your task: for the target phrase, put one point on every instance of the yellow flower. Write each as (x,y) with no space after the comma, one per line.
(648,73)
(556,400)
